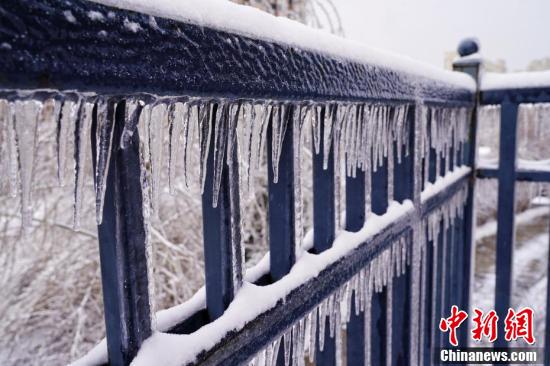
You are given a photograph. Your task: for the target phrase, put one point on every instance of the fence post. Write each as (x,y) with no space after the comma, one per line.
(222,252)
(122,247)
(505,212)
(471,67)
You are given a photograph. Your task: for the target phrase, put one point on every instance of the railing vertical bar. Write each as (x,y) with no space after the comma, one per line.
(458,262)
(379,320)
(355,337)
(428,291)
(222,257)
(323,195)
(355,219)
(437,290)
(122,249)
(324,226)
(379,330)
(401,319)
(467,156)
(505,213)
(448,277)
(282,243)
(402,287)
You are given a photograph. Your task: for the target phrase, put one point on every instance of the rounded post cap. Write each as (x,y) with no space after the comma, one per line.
(468,46)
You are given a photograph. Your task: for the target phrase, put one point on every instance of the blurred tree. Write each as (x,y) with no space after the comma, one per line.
(315,13)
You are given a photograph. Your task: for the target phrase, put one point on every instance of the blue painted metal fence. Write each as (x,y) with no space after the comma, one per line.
(186,60)
(507,174)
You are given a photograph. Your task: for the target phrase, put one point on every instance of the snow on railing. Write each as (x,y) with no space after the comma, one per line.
(515,80)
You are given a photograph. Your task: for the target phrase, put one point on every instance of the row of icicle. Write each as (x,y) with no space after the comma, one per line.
(308,334)
(301,341)
(173,130)
(442,218)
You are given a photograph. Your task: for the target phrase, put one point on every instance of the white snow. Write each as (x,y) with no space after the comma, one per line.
(251,22)
(522,164)
(69,16)
(131,26)
(95,15)
(518,80)
(431,189)
(490,228)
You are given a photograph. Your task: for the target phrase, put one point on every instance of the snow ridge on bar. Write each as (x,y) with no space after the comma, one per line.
(251,22)
(516,80)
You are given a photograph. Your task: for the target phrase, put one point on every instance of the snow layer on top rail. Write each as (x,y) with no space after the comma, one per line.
(250,22)
(516,80)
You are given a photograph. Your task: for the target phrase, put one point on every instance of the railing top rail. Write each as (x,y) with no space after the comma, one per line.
(49,44)
(520,87)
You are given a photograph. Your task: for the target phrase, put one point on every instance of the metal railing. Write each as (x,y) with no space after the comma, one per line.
(508,172)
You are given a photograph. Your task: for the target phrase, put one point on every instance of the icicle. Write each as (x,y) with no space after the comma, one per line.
(65,137)
(298,199)
(278,125)
(220,141)
(26,125)
(12,164)
(260,358)
(132,113)
(205,130)
(311,330)
(233,117)
(331,313)
(328,123)
(269,354)
(275,354)
(322,310)
(82,152)
(158,125)
(295,344)
(191,141)
(314,115)
(104,139)
(287,343)
(177,119)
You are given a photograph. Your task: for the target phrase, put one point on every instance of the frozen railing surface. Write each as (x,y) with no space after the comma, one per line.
(517,104)
(212,98)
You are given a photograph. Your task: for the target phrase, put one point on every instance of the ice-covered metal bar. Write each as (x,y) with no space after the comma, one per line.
(52,45)
(122,249)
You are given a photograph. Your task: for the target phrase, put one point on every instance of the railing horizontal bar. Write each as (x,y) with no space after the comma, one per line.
(526,95)
(238,346)
(522,175)
(49,49)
